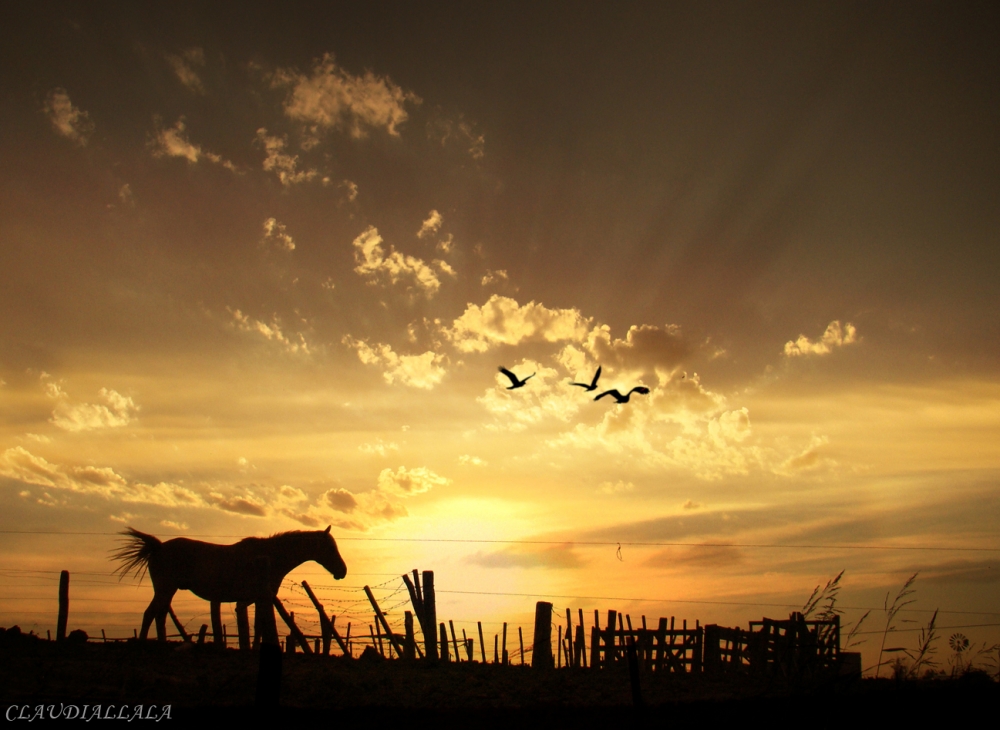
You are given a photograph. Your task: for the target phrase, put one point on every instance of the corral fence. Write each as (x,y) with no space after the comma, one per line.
(789,648)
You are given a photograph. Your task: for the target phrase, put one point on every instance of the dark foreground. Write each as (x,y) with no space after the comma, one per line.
(219,685)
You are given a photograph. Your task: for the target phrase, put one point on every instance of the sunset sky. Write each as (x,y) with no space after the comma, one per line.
(258,269)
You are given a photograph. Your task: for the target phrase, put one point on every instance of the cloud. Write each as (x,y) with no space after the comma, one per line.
(184,68)
(431,225)
(340,500)
(501,321)
(172,525)
(332,98)
(458,132)
(275,236)
(417,371)
(380,447)
(407,482)
(295,344)
(67,120)
(810,459)
(697,556)
(545,396)
(119,411)
(835,336)
(645,349)
(468,460)
(494,277)
(352,190)
(282,164)
(126,196)
(618,487)
(556,556)
(239,504)
(373,263)
(173,142)
(690,504)
(446,244)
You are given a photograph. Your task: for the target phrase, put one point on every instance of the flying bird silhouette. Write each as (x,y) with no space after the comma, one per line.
(641,389)
(593,383)
(514,380)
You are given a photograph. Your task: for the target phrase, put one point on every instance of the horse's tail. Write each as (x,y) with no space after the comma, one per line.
(134,555)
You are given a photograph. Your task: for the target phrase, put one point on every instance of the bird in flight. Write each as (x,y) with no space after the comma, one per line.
(641,389)
(515,382)
(593,383)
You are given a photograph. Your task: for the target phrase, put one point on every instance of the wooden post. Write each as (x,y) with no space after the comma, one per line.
(541,654)
(216,622)
(559,647)
(569,638)
(63,606)
(454,640)
(410,646)
(496,648)
(610,640)
(326,629)
(582,642)
(380,617)
(482,644)
(296,635)
(342,643)
(201,634)
(520,641)
(180,628)
(580,649)
(503,646)
(633,671)
(104,637)
(444,644)
(595,647)
(375,644)
(430,617)
(243,626)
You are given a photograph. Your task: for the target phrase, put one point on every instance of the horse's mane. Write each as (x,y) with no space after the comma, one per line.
(281,536)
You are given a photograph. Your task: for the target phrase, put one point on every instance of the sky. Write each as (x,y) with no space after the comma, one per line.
(259,268)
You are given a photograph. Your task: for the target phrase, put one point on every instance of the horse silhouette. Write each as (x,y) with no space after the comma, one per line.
(246,572)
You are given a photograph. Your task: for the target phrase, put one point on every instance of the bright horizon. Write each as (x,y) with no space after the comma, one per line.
(258,272)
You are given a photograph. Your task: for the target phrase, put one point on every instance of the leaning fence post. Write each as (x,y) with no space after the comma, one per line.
(326,629)
(541,655)
(63,605)
(180,627)
(482,644)
(444,644)
(296,635)
(380,617)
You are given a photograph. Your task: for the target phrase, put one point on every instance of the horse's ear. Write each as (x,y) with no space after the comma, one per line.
(328,529)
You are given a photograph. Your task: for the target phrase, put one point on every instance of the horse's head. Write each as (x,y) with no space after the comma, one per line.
(329,556)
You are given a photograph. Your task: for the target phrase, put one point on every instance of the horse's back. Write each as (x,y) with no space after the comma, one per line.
(213,572)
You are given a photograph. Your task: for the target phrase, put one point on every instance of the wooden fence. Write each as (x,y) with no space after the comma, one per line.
(793,647)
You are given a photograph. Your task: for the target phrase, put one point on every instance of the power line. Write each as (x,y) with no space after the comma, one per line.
(578,543)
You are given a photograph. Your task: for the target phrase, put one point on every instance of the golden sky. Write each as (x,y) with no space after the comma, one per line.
(258,271)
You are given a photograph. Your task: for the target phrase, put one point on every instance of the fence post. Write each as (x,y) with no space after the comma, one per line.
(296,635)
(595,646)
(444,644)
(410,647)
(63,605)
(482,644)
(180,627)
(201,634)
(430,618)
(541,655)
(393,641)
(326,628)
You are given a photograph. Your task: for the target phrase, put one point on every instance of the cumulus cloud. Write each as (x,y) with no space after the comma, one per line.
(184,65)
(173,142)
(276,236)
(431,225)
(547,397)
(468,460)
(446,244)
(340,499)
(417,371)
(645,349)
(374,263)
(295,344)
(410,481)
(280,162)
(352,190)
(835,336)
(332,98)
(67,120)
(117,411)
(502,321)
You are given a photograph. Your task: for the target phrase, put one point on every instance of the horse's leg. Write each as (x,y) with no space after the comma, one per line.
(147,619)
(216,622)
(243,625)
(162,600)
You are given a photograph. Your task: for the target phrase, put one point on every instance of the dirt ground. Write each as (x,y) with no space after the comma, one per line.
(204,681)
